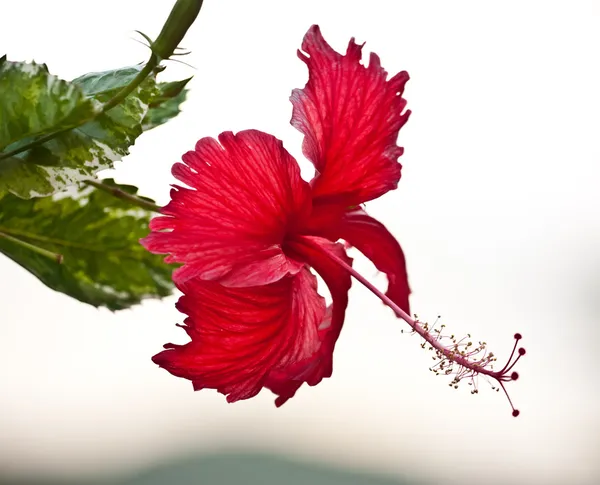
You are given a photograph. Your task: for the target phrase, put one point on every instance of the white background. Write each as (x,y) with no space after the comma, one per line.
(497,211)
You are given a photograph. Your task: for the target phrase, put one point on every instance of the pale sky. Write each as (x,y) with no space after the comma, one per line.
(497,211)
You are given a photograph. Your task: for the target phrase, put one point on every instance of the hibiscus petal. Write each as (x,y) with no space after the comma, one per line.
(313,370)
(241,335)
(246,192)
(373,239)
(350,116)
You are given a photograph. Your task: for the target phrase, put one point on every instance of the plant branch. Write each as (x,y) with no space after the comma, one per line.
(135,82)
(120,194)
(58,258)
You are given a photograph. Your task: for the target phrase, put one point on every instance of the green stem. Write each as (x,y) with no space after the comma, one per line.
(123,252)
(127,90)
(182,16)
(120,194)
(49,240)
(58,258)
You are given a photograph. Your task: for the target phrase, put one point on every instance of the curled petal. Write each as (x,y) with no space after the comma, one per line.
(240,336)
(313,370)
(372,238)
(245,194)
(350,115)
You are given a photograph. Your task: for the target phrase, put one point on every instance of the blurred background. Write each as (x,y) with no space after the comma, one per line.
(497,211)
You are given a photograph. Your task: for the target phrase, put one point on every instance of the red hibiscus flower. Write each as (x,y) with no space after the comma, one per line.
(248,229)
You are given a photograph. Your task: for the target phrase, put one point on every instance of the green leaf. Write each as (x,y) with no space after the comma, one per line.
(167,104)
(94,83)
(34,103)
(98,236)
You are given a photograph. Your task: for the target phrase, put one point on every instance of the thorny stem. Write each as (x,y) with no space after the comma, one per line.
(58,258)
(120,194)
(470,368)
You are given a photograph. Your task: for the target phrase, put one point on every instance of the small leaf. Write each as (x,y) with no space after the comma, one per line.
(78,153)
(97,234)
(94,83)
(166,105)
